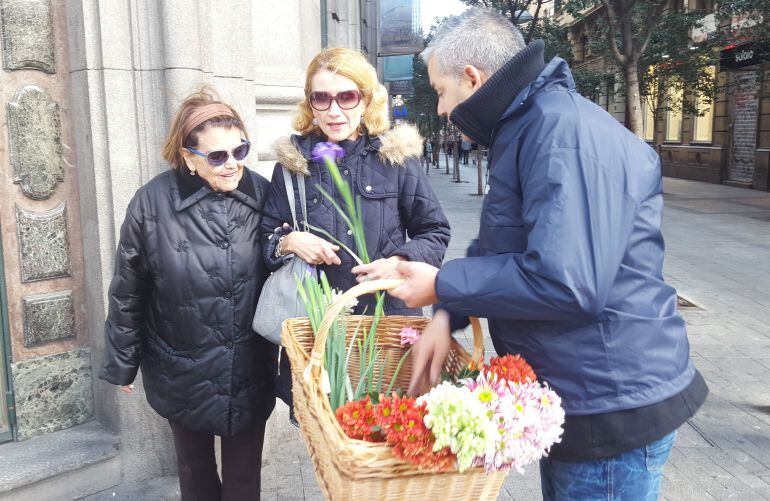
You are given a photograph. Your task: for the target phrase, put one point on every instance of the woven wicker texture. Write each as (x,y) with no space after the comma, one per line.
(348,469)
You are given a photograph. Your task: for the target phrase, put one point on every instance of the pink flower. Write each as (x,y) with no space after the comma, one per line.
(409,336)
(529,419)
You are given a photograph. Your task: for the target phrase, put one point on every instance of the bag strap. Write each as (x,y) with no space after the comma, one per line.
(289,183)
(302,199)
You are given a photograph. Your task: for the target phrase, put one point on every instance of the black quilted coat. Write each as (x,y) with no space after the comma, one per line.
(188,274)
(396,200)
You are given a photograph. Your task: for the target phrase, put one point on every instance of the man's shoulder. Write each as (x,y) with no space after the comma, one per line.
(576,121)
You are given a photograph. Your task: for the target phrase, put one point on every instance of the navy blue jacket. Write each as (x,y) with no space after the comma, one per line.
(568,263)
(396,199)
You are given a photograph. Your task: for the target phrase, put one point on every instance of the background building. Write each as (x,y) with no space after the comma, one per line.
(88,90)
(728,141)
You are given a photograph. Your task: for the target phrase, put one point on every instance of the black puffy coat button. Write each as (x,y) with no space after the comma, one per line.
(224,244)
(228,294)
(229,345)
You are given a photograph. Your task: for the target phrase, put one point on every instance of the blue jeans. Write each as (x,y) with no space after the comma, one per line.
(632,476)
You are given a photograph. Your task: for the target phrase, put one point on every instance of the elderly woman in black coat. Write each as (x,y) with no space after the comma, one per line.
(345,104)
(188,274)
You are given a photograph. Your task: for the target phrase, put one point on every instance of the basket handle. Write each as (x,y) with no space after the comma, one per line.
(319,345)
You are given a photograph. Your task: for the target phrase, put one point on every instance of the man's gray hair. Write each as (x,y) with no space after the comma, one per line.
(478,37)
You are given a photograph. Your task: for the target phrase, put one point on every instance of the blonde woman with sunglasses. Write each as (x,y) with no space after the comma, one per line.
(403,220)
(188,274)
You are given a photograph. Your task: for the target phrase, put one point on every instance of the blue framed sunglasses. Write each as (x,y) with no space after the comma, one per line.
(217,158)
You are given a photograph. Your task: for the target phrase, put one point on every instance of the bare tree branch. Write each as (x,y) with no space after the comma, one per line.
(512,7)
(612,18)
(650,24)
(533,23)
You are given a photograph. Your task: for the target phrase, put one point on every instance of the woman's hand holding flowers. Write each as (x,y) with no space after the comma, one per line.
(310,248)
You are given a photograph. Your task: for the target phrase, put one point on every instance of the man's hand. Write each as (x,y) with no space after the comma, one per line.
(379,269)
(420,286)
(129,388)
(430,352)
(310,248)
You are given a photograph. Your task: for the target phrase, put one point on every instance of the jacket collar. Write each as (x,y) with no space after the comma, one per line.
(477,116)
(393,147)
(188,190)
(556,75)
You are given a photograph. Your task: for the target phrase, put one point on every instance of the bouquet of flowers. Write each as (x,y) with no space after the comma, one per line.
(500,417)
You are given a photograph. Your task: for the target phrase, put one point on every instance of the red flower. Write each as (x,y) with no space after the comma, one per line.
(402,422)
(358,420)
(511,368)
(399,420)
(391,409)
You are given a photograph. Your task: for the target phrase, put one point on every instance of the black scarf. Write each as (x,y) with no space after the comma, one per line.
(477,116)
(189,185)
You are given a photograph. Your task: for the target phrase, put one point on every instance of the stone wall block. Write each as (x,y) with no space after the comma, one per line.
(53,392)
(27,34)
(48,317)
(43,243)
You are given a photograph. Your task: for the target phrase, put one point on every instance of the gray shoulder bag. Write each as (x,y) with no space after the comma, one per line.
(279,299)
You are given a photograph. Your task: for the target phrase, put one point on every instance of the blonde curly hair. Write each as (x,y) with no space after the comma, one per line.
(353,65)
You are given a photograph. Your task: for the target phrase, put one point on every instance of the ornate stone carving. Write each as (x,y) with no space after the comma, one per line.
(43,243)
(34,129)
(48,317)
(27,32)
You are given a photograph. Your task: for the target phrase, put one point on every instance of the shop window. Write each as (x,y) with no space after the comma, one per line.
(703,122)
(648,122)
(674,117)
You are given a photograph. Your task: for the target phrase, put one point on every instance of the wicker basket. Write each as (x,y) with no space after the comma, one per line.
(348,469)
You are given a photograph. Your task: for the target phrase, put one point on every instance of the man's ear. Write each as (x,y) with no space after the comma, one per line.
(474,76)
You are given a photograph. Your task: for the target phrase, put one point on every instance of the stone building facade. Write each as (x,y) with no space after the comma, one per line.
(88,88)
(730,142)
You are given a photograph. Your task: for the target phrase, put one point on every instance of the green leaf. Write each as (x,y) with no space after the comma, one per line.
(375,398)
(336,241)
(466,373)
(339,209)
(398,369)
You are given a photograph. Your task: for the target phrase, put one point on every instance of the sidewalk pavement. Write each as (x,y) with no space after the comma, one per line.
(718,258)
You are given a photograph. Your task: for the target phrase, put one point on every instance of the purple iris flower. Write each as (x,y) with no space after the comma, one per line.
(332,151)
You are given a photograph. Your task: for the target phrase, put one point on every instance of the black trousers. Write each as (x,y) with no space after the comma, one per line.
(241,465)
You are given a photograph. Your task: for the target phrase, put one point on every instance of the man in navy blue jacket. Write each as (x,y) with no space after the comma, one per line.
(568,264)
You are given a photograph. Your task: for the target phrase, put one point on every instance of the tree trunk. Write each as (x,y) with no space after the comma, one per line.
(479,176)
(446,155)
(633,98)
(456,153)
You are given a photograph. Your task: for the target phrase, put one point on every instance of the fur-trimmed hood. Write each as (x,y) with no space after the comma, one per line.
(393,147)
